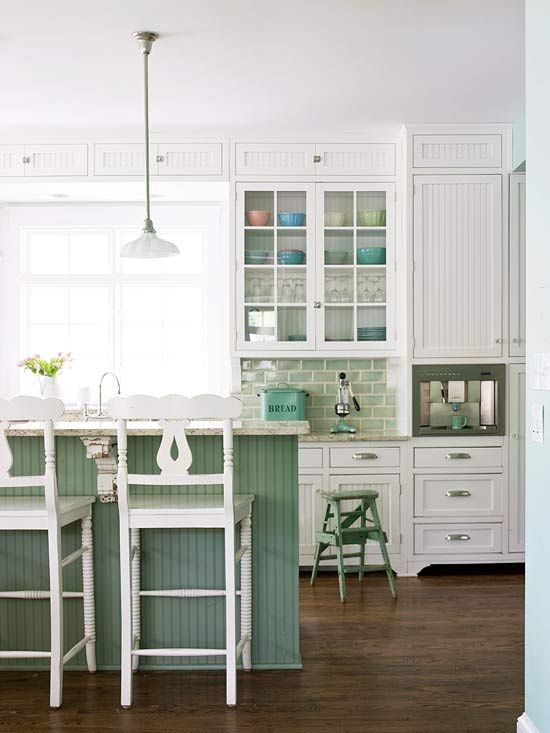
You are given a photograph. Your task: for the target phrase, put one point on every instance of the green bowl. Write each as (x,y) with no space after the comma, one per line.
(335,257)
(372,218)
(371,255)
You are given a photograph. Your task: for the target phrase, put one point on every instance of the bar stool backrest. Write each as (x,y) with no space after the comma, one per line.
(31,409)
(174,414)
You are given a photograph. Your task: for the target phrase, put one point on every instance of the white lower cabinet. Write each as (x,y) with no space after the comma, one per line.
(457,539)
(324,467)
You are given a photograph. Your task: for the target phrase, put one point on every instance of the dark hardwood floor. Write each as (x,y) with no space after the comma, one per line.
(447,656)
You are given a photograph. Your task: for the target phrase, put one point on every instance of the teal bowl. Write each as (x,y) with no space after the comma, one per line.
(291,257)
(371,255)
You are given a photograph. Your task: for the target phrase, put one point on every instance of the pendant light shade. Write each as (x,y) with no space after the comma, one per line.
(148,245)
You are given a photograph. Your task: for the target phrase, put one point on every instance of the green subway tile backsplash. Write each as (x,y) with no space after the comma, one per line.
(319,378)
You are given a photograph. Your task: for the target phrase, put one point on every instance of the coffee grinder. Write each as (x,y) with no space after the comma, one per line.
(342,406)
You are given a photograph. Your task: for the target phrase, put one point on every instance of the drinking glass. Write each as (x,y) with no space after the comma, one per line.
(299,292)
(285,291)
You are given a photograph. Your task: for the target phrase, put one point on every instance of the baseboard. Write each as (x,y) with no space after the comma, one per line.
(526,725)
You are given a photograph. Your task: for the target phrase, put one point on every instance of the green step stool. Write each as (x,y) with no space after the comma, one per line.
(337,531)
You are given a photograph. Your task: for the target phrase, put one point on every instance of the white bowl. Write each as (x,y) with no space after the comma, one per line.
(334,218)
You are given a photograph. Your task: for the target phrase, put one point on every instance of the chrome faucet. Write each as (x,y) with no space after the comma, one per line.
(100,413)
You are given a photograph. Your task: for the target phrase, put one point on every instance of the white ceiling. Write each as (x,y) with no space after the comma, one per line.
(248,66)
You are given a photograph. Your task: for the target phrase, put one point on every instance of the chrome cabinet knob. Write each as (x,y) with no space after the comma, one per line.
(26,159)
(516,341)
(316,303)
(498,341)
(316,158)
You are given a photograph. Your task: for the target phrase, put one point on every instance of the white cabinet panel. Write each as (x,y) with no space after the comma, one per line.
(443,495)
(310,458)
(113,159)
(371,159)
(274,158)
(516,493)
(458,266)
(457,539)
(517,265)
(457,151)
(310,509)
(56,160)
(11,160)
(388,503)
(189,159)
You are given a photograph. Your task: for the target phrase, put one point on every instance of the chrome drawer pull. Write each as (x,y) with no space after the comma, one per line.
(457,492)
(364,456)
(457,537)
(452,456)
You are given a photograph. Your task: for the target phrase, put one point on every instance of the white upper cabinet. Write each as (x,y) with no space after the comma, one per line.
(457,151)
(11,160)
(320,159)
(516,493)
(458,266)
(189,159)
(370,159)
(43,160)
(262,159)
(166,159)
(517,265)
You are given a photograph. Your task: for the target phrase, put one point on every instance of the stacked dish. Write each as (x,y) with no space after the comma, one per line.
(372,218)
(291,257)
(291,219)
(371,333)
(371,255)
(255,257)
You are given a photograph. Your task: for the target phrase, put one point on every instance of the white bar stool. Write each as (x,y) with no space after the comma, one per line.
(48,513)
(183,511)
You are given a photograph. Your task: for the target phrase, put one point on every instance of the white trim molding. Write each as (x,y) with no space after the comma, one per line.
(526,725)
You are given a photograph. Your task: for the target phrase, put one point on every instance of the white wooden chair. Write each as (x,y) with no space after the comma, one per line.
(48,513)
(223,511)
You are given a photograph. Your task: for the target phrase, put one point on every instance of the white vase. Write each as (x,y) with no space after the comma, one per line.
(49,386)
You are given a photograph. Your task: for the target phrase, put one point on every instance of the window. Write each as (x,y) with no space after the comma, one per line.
(156,323)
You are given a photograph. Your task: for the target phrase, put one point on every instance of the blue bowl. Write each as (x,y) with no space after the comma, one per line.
(291,219)
(291,257)
(371,255)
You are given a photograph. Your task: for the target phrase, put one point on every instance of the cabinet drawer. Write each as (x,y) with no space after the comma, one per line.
(310,458)
(363,457)
(458,496)
(453,457)
(457,151)
(457,539)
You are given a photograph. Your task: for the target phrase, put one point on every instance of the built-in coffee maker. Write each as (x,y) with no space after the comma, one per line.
(454,399)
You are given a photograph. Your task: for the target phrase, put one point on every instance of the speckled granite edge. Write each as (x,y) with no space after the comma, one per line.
(105,428)
(373,437)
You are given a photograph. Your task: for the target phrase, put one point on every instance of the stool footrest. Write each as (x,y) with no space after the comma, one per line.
(37,595)
(179,652)
(183,593)
(366,569)
(335,557)
(24,655)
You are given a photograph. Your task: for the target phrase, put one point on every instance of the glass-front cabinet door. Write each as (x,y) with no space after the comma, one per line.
(355,266)
(275,229)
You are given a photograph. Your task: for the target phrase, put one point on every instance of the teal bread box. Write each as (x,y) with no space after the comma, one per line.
(283,403)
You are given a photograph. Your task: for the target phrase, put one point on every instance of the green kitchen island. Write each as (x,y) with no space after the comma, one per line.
(266,465)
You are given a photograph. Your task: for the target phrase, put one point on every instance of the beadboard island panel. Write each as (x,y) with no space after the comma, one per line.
(265,465)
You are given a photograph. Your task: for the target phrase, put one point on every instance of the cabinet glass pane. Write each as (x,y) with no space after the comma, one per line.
(258,247)
(339,323)
(339,285)
(292,324)
(258,208)
(338,247)
(371,247)
(371,209)
(291,285)
(259,324)
(339,209)
(371,285)
(291,247)
(291,209)
(258,285)
(371,323)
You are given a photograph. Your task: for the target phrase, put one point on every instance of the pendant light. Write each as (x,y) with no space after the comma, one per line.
(148,245)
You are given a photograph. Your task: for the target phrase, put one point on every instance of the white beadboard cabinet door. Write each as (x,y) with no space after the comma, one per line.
(260,159)
(517,265)
(123,159)
(354,159)
(387,487)
(56,160)
(11,160)
(190,159)
(516,493)
(457,151)
(458,266)
(310,509)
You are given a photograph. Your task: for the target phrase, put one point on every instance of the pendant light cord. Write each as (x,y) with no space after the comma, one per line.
(146,96)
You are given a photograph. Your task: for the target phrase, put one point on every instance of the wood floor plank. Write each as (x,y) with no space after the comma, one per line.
(446,657)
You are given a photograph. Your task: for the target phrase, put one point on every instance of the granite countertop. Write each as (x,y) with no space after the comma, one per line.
(94,428)
(366,437)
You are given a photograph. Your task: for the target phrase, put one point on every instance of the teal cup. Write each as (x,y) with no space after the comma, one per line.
(458,422)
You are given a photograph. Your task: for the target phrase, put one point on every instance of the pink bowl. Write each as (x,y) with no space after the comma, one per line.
(257,218)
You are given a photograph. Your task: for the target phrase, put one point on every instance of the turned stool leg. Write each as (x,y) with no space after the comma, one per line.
(136,586)
(246,591)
